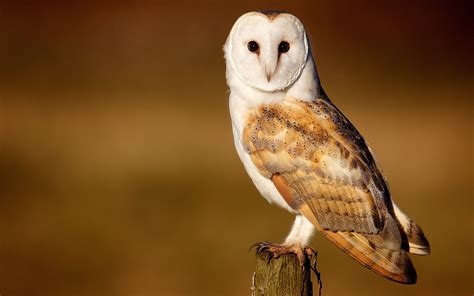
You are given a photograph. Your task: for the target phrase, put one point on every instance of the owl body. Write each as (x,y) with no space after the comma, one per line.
(304,155)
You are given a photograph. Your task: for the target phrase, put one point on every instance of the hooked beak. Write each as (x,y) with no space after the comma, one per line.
(269,70)
(268,74)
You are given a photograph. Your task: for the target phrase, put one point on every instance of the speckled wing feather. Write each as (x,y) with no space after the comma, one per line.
(323,168)
(317,154)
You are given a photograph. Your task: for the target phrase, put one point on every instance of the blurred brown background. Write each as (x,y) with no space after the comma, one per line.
(118,174)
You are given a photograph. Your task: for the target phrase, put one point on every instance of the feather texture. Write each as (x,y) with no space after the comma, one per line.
(324,169)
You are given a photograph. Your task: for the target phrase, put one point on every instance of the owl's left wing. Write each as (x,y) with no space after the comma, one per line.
(323,168)
(299,144)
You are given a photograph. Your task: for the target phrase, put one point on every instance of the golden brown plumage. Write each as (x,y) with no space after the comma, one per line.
(324,169)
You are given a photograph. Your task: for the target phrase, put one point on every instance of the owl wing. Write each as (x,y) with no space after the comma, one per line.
(323,168)
(314,152)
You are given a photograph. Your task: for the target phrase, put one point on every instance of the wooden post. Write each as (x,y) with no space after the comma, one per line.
(284,276)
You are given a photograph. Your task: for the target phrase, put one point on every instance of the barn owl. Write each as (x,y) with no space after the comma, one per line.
(305,156)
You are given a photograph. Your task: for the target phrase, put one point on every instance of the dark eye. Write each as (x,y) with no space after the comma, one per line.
(252,46)
(283,47)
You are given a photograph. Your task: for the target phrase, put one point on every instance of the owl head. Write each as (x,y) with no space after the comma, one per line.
(267,50)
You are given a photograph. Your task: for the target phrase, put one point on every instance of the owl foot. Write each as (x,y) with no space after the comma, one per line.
(275,251)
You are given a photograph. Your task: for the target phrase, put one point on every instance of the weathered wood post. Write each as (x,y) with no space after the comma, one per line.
(284,276)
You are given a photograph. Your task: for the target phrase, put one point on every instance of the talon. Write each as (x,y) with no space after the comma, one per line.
(310,251)
(312,255)
(276,251)
(259,247)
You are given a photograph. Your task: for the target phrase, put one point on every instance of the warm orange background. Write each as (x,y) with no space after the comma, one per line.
(118,174)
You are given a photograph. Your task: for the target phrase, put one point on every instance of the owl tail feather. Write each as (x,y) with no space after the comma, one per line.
(417,242)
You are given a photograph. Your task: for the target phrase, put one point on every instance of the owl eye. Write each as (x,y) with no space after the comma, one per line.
(252,46)
(283,47)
